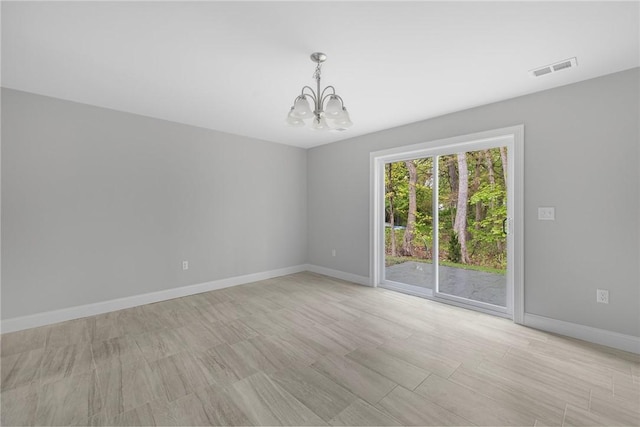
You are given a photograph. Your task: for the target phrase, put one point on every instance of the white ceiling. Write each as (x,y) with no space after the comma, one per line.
(237,66)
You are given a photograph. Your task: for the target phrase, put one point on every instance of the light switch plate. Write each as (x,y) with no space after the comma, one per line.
(546,213)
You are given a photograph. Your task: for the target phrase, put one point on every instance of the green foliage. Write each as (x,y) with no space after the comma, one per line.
(488,236)
(424,232)
(400,193)
(489,229)
(387,238)
(487,208)
(455,254)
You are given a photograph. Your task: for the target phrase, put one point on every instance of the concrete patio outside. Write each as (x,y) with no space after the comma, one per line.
(474,285)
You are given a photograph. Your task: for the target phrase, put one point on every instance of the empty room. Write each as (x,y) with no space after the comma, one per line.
(343,213)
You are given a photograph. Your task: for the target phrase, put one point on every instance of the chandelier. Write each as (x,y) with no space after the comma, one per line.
(331,115)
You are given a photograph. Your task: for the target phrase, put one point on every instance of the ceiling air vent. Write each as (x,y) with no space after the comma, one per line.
(558,66)
(541,71)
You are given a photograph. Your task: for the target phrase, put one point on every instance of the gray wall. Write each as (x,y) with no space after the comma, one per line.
(99,204)
(581,156)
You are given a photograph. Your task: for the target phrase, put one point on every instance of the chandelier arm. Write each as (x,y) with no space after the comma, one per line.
(312,94)
(325,89)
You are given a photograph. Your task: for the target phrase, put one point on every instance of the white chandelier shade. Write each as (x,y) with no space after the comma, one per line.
(294,121)
(320,123)
(344,121)
(329,115)
(334,107)
(301,108)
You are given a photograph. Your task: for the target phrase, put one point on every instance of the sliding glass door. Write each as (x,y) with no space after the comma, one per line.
(448,226)
(472,227)
(409,255)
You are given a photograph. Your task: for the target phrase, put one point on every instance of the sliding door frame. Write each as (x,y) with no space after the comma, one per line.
(513,137)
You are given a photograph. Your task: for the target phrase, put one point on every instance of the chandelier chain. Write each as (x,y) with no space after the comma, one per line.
(316,74)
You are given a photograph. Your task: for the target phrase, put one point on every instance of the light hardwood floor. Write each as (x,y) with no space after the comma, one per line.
(306,349)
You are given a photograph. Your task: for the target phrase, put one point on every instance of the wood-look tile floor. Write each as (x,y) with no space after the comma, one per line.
(306,349)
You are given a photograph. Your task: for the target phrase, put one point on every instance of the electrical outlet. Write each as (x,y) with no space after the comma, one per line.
(185,265)
(333,252)
(547,213)
(602,296)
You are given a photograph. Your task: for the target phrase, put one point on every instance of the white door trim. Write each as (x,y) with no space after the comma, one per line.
(513,135)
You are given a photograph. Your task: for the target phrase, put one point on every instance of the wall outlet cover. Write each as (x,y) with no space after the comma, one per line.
(602,296)
(546,213)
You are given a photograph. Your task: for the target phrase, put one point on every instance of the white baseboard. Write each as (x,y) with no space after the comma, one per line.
(587,333)
(349,277)
(50,317)
(599,336)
